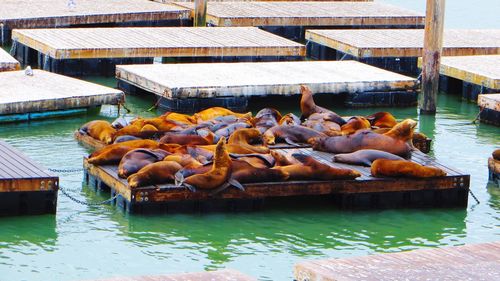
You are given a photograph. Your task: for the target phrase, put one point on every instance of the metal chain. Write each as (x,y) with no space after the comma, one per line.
(66,170)
(474,196)
(63,191)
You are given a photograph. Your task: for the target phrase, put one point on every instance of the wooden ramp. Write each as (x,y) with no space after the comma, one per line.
(46,94)
(489,105)
(364,192)
(57,13)
(469,262)
(7,62)
(312,13)
(219,275)
(170,42)
(25,186)
(185,82)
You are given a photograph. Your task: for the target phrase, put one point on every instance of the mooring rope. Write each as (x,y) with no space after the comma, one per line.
(474,196)
(105,202)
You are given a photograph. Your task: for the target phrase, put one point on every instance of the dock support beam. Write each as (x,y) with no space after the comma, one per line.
(431,57)
(200,13)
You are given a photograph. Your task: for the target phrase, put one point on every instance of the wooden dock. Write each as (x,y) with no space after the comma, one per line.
(57,13)
(26,188)
(364,192)
(218,275)
(397,49)
(191,87)
(469,262)
(47,94)
(7,62)
(489,106)
(81,51)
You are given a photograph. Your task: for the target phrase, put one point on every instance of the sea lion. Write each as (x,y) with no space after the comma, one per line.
(382,120)
(364,157)
(403,168)
(322,122)
(149,128)
(245,136)
(155,173)
(179,117)
(283,160)
(100,130)
(183,139)
(214,112)
(269,112)
(289,119)
(113,153)
(354,124)
(311,169)
(135,159)
(125,138)
(243,172)
(363,139)
(403,130)
(185,160)
(290,134)
(496,154)
(229,129)
(308,107)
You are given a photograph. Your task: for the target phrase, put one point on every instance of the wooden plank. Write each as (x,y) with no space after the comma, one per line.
(469,262)
(370,43)
(328,13)
(222,275)
(86,43)
(56,13)
(45,91)
(7,62)
(207,80)
(489,101)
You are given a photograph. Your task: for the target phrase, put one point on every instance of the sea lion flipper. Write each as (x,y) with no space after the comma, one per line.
(220,189)
(236,184)
(290,142)
(190,187)
(179,178)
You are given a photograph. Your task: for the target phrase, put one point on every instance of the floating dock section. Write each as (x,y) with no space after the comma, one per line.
(7,62)
(59,13)
(469,262)
(219,275)
(86,51)
(26,188)
(192,87)
(364,192)
(489,108)
(46,94)
(290,19)
(397,49)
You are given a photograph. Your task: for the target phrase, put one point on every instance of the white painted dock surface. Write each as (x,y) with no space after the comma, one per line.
(312,13)
(85,43)
(367,43)
(7,62)
(45,91)
(489,101)
(205,80)
(57,13)
(479,70)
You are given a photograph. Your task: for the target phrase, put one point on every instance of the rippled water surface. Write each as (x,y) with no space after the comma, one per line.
(83,242)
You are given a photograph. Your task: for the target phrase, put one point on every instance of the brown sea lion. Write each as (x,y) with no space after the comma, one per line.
(308,107)
(183,139)
(289,119)
(311,169)
(243,172)
(496,154)
(364,157)
(125,138)
(354,124)
(99,130)
(179,117)
(229,129)
(283,160)
(214,112)
(403,168)
(185,160)
(113,153)
(322,122)
(269,112)
(382,120)
(290,134)
(403,130)
(155,173)
(135,159)
(363,139)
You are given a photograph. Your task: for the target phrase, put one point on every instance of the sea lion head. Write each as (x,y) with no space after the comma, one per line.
(403,130)
(269,113)
(268,137)
(382,120)
(496,154)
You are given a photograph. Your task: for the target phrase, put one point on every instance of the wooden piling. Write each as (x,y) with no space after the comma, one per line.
(433,44)
(200,12)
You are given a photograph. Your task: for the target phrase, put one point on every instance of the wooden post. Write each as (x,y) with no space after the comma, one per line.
(431,56)
(200,13)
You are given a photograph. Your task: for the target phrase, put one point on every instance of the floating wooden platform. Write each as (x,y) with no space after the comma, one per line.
(489,106)
(364,192)
(219,275)
(7,62)
(494,170)
(81,51)
(469,262)
(192,87)
(397,49)
(26,188)
(57,13)
(469,75)
(47,94)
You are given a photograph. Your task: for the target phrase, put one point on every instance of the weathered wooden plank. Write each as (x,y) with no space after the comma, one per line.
(469,262)
(45,91)
(260,79)
(7,62)
(369,43)
(222,275)
(328,13)
(87,43)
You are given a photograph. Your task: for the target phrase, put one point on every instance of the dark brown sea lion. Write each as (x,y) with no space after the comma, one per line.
(113,153)
(99,130)
(364,139)
(354,124)
(289,119)
(125,138)
(496,154)
(135,159)
(364,157)
(244,172)
(290,134)
(155,173)
(308,107)
(382,120)
(403,168)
